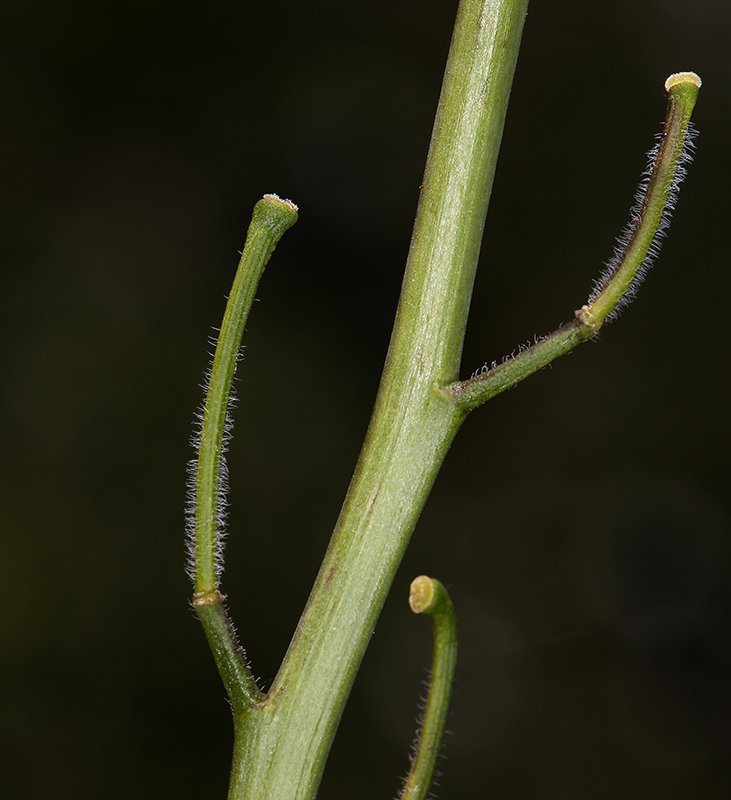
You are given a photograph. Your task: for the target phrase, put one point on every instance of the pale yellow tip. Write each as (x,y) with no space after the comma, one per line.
(682,77)
(279,199)
(421,593)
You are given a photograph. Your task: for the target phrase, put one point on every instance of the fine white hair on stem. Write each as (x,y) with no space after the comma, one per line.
(207,476)
(626,239)
(222,502)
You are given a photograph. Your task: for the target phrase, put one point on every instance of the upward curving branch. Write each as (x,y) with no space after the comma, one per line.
(636,249)
(271,218)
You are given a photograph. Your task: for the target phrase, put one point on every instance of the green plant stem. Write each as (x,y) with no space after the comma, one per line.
(281,740)
(428,596)
(281,750)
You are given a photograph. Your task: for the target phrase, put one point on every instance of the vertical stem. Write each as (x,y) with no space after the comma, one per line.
(280,750)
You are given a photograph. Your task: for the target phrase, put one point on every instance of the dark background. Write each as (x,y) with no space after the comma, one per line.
(581,520)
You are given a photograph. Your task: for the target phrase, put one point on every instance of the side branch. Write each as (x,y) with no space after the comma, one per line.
(475,391)
(228,655)
(270,219)
(636,249)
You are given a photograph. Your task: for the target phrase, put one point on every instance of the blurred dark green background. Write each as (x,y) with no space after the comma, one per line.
(581,520)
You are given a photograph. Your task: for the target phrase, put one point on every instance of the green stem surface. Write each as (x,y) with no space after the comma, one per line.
(281,750)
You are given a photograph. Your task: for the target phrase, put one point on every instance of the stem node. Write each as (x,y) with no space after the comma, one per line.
(213,598)
(590,320)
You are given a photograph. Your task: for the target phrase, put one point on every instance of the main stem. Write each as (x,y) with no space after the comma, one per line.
(282,742)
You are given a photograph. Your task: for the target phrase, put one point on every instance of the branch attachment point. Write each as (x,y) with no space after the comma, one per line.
(590,320)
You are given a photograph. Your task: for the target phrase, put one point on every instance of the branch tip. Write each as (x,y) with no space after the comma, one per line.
(429,595)
(421,594)
(277,199)
(680,78)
